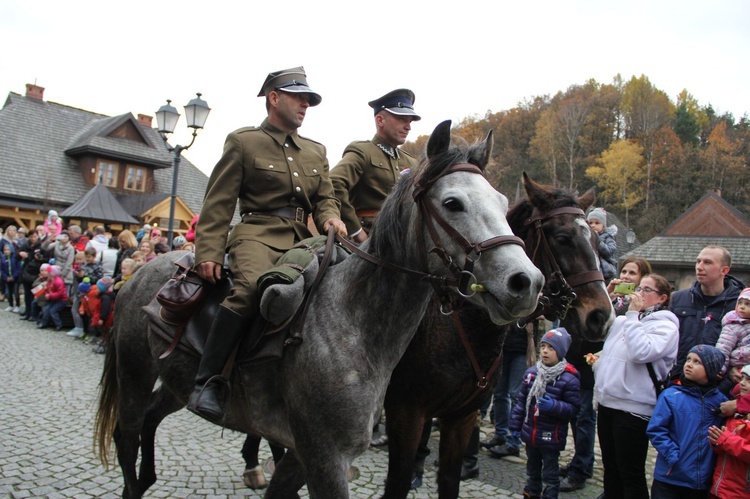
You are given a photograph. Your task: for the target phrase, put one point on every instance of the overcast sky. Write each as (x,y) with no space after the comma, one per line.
(461,58)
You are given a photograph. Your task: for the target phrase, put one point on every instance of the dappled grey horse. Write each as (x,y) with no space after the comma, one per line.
(443,227)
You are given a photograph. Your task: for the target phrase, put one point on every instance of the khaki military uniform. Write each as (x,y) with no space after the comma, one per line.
(267,170)
(364,177)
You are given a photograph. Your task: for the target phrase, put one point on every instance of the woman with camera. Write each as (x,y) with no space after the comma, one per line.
(643,339)
(632,271)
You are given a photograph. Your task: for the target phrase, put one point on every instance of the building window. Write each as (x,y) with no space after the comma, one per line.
(106,173)
(135,180)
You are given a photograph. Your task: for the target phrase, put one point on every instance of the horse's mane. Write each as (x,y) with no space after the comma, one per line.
(389,236)
(550,198)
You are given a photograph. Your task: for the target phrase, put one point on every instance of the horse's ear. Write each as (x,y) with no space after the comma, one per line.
(484,153)
(588,198)
(440,140)
(537,195)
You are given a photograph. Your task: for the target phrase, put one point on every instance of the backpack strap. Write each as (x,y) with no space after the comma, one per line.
(658,385)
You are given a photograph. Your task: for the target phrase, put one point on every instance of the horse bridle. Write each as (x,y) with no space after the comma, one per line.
(557,297)
(427,214)
(558,294)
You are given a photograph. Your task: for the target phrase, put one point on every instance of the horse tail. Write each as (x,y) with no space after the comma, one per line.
(106,415)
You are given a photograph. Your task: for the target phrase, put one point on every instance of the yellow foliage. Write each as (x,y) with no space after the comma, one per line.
(619,174)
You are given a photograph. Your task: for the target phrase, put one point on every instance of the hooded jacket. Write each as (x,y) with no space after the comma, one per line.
(733,462)
(734,341)
(547,430)
(608,253)
(622,379)
(678,430)
(700,316)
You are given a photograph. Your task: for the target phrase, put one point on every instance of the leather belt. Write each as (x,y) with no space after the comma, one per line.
(297,214)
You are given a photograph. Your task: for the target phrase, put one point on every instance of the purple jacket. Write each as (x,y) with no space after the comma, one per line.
(547,430)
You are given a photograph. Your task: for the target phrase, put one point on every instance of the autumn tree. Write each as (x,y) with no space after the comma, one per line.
(646,110)
(720,156)
(619,173)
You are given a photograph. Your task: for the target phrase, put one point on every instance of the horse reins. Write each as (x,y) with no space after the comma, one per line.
(427,214)
(558,295)
(461,278)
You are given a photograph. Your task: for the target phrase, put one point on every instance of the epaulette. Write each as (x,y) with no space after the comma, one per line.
(310,140)
(245,129)
(401,151)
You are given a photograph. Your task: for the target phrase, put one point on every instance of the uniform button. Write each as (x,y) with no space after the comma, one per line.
(286,145)
(270,166)
(295,174)
(290,158)
(315,170)
(298,189)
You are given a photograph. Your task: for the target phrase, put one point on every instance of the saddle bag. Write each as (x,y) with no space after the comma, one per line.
(182,293)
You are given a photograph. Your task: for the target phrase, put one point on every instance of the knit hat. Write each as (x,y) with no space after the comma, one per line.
(712,358)
(746,370)
(104,284)
(53,270)
(52,213)
(599,215)
(179,241)
(84,287)
(745,295)
(559,340)
(147,227)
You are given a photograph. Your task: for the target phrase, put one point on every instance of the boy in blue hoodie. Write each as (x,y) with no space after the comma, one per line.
(549,398)
(679,426)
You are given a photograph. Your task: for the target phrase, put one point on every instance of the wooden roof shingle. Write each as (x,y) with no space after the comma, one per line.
(35,134)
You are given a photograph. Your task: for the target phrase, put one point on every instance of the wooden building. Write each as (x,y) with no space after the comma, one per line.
(709,221)
(53,155)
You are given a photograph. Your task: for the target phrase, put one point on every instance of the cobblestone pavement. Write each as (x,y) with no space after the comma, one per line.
(48,389)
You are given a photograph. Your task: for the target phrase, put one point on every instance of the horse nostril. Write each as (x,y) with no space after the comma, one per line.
(596,320)
(519,283)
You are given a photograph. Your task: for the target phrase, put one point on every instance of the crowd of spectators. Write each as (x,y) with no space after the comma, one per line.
(55,267)
(674,371)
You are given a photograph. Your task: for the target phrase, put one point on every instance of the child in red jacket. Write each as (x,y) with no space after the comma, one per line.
(732,444)
(56,295)
(98,305)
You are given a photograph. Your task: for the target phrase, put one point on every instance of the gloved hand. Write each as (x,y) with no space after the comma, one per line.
(545,403)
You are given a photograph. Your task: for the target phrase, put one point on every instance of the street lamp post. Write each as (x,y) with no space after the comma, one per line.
(196,112)
(630,238)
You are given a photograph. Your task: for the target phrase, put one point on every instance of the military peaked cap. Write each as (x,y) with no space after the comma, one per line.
(293,80)
(399,102)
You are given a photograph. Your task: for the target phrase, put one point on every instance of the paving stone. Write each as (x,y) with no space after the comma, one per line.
(49,386)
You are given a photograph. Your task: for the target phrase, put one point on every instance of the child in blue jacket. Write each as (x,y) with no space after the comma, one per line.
(678,429)
(549,398)
(11,270)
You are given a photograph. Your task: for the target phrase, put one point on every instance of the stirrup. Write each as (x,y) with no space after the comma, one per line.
(194,401)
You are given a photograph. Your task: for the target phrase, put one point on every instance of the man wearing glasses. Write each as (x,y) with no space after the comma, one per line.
(701,307)
(280,179)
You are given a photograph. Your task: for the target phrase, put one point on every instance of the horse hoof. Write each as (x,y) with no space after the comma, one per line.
(254,478)
(380,441)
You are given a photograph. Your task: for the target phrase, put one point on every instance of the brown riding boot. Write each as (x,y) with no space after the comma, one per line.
(226,331)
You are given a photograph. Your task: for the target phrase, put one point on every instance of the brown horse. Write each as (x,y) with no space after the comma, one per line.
(436,377)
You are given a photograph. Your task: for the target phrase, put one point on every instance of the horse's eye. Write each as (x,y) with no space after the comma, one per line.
(453,204)
(562,238)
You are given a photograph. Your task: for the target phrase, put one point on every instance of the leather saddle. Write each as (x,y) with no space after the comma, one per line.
(190,337)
